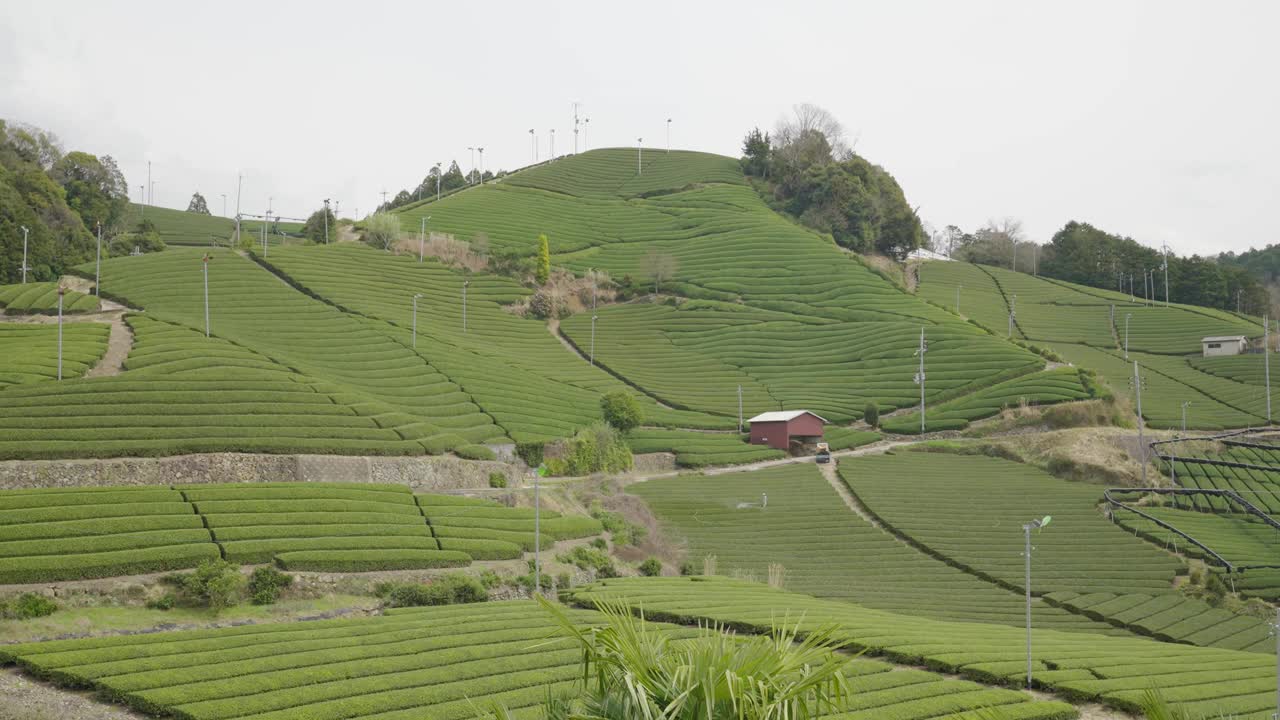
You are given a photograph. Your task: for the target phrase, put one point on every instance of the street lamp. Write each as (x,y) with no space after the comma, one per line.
(1026,530)
(97,270)
(553,144)
(668,135)
(481,151)
(465,283)
(594,317)
(919,378)
(533,146)
(1185,405)
(639,153)
(61,291)
(415,318)
(422,238)
(206,294)
(1126,334)
(439,171)
(25,231)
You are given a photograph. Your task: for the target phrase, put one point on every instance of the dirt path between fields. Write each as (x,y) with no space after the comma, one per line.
(119,343)
(27,699)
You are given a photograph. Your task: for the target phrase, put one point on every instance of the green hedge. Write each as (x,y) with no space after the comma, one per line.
(104,564)
(524,539)
(483,549)
(369,561)
(262,551)
(47,547)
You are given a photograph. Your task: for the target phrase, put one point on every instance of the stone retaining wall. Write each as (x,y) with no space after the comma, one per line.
(419,473)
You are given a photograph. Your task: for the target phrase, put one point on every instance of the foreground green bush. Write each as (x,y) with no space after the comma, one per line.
(265,585)
(27,606)
(217,584)
(598,448)
(450,589)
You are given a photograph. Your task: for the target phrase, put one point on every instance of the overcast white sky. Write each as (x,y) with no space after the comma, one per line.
(1156,120)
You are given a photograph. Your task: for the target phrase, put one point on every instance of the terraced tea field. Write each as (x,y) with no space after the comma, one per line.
(178,227)
(1116,671)
(43,298)
(441,663)
(1081,561)
(1043,388)
(826,549)
(78,533)
(30,351)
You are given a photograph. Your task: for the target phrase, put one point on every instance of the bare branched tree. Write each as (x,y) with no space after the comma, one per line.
(810,118)
(382,229)
(659,266)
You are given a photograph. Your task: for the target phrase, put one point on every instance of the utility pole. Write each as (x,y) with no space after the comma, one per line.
(553,144)
(1131,298)
(61,291)
(668,136)
(1266,361)
(97,269)
(594,317)
(239,185)
(1013,313)
(206,294)
(1165,266)
(25,232)
(1014,242)
(537,530)
(481,150)
(1126,334)
(1142,446)
(422,238)
(142,197)
(1026,554)
(533,145)
(575,128)
(465,283)
(415,319)
(919,379)
(639,154)
(326,221)
(439,171)
(224,204)
(384,198)
(1185,404)
(739,409)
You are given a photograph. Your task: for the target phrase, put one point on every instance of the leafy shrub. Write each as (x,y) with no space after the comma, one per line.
(217,584)
(621,410)
(166,601)
(623,532)
(592,559)
(546,303)
(871,414)
(530,453)
(652,567)
(688,567)
(599,544)
(490,579)
(27,606)
(544,259)
(265,585)
(370,560)
(450,589)
(598,448)
(497,480)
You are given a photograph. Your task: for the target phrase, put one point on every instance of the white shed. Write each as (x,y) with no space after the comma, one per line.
(1224,345)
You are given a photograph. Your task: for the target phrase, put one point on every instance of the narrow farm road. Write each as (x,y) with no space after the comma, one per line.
(119,343)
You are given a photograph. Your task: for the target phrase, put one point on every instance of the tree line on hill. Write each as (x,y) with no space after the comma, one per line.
(60,197)
(806,169)
(1083,254)
(450,180)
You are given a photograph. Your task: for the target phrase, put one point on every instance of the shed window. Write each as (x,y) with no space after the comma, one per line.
(1214,345)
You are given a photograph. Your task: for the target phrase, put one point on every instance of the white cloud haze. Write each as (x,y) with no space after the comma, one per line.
(1156,120)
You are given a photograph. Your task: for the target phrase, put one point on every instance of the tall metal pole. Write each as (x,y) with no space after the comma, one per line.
(537,532)
(61,291)
(921,350)
(481,165)
(415,319)
(97,269)
(1266,361)
(575,128)
(224,204)
(639,156)
(1014,265)
(739,408)
(25,232)
(465,283)
(1165,264)
(1126,334)
(668,135)
(206,294)
(151,191)
(1027,556)
(439,171)
(1184,415)
(594,317)
(422,239)
(553,143)
(533,146)
(239,185)
(142,197)
(1142,445)
(326,221)
(471,176)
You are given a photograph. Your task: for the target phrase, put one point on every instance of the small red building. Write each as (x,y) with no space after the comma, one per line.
(777,429)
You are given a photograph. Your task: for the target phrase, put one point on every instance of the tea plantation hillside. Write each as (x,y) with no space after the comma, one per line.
(1090,328)
(767,304)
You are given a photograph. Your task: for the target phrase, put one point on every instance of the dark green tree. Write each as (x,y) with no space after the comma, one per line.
(198,205)
(314,228)
(755,153)
(621,410)
(95,189)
